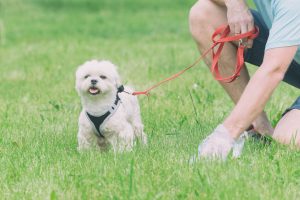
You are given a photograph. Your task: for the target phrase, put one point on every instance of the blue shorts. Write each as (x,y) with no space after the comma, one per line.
(296,105)
(255,56)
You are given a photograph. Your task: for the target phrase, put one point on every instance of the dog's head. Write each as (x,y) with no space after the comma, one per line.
(97,78)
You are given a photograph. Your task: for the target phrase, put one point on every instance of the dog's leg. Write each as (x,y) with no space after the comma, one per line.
(84,139)
(138,129)
(124,141)
(137,124)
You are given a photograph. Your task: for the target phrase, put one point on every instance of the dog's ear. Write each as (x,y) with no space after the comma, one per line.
(116,77)
(114,71)
(118,81)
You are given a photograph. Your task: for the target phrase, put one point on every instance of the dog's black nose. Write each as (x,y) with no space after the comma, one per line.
(94,81)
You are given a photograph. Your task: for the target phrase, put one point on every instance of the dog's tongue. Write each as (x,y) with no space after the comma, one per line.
(93,90)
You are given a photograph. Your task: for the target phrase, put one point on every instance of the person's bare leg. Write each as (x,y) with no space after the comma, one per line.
(287,131)
(205,17)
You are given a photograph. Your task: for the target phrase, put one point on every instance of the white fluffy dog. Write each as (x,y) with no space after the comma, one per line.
(109,116)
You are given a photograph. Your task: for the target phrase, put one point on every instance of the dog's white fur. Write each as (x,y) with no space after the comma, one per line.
(124,126)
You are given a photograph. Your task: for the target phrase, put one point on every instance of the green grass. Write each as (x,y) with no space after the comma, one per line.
(42,43)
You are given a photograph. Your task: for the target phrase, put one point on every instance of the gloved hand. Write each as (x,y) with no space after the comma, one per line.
(219,144)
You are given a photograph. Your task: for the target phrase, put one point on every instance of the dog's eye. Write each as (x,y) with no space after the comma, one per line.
(103,77)
(86,76)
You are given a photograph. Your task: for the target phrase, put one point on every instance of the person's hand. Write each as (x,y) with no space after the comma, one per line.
(219,144)
(239,18)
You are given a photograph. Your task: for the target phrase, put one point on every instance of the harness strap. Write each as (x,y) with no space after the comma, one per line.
(219,38)
(98,121)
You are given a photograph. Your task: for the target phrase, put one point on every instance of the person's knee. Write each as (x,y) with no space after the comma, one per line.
(287,130)
(198,18)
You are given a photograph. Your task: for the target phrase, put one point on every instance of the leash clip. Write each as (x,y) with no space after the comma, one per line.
(243,42)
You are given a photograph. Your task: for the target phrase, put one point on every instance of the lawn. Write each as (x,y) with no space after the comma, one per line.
(41,44)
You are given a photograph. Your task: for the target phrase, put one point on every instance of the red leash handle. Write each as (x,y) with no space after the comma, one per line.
(219,38)
(223,32)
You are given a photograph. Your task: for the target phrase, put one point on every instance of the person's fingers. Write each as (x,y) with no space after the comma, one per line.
(237,29)
(231,26)
(250,26)
(244,28)
(249,44)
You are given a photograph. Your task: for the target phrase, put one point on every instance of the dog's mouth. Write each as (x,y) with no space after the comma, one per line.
(94,91)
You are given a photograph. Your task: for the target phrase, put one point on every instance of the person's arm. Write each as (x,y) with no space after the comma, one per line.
(260,89)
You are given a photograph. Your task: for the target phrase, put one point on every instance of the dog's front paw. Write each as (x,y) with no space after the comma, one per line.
(83,143)
(84,147)
(123,143)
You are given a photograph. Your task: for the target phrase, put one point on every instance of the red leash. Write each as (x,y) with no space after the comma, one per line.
(219,38)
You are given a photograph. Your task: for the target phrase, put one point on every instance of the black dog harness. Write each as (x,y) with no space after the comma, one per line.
(98,121)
